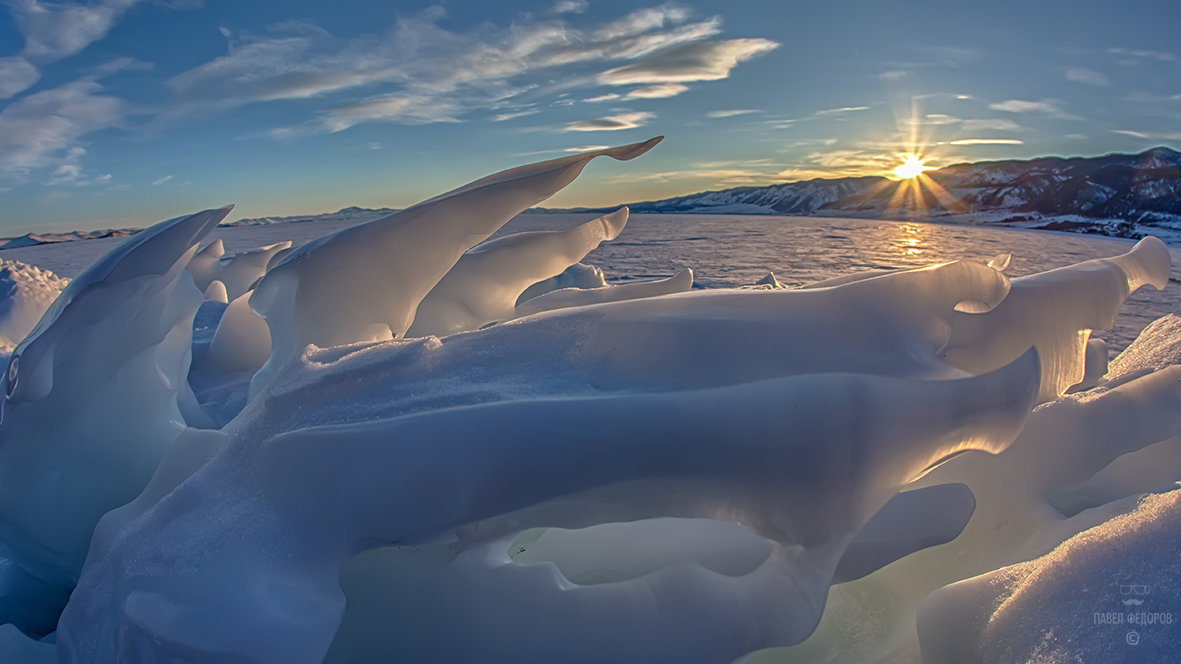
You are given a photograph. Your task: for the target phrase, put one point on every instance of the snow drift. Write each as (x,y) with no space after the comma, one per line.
(405,445)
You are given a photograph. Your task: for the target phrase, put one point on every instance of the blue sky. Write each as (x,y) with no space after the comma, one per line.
(124,112)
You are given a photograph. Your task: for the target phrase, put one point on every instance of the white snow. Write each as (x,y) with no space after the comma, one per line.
(549,467)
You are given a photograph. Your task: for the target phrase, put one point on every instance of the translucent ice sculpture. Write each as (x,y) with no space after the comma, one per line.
(485,284)
(1056,312)
(765,443)
(336,289)
(93,402)
(237,273)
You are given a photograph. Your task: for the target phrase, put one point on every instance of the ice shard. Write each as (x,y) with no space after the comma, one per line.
(485,284)
(336,289)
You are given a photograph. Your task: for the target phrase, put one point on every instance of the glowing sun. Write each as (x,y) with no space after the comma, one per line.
(910,167)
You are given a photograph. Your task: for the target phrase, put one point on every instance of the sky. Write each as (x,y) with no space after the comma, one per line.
(118,113)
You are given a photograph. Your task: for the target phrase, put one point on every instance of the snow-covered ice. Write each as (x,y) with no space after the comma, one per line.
(233,454)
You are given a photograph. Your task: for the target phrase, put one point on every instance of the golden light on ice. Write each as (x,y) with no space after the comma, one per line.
(910,167)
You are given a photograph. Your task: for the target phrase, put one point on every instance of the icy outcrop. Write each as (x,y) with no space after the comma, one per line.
(769,281)
(321,294)
(1056,311)
(486,283)
(579,297)
(242,340)
(205,265)
(240,272)
(578,275)
(216,292)
(26,292)
(237,273)
(92,404)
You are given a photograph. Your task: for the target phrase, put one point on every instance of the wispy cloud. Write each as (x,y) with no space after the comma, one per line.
(405,109)
(840,111)
(990,124)
(986,141)
(512,115)
(661,91)
(612,122)
(42,130)
(843,162)
(420,72)
(161,180)
(730,113)
(1047,106)
(16,75)
(1087,76)
(56,30)
(1149,136)
(684,63)
(1134,56)
(570,7)
(610,96)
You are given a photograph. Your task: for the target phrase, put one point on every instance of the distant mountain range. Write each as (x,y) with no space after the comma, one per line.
(1123,195)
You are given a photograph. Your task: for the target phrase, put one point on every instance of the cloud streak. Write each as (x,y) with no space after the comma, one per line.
(1087,76)
(612,122)
(986,141)
(685,63)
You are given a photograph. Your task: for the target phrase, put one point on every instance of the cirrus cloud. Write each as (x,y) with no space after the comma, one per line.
(662,91)
(612,122)
(693,61)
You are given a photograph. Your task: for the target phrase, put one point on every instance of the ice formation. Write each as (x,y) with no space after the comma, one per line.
(310,297)
(578,275)
(485,284)
(93,401)
(565,298)
(359,465)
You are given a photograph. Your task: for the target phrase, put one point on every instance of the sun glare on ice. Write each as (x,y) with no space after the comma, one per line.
(910,167)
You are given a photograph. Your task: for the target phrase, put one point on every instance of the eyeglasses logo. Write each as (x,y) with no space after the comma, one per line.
(1133,589)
